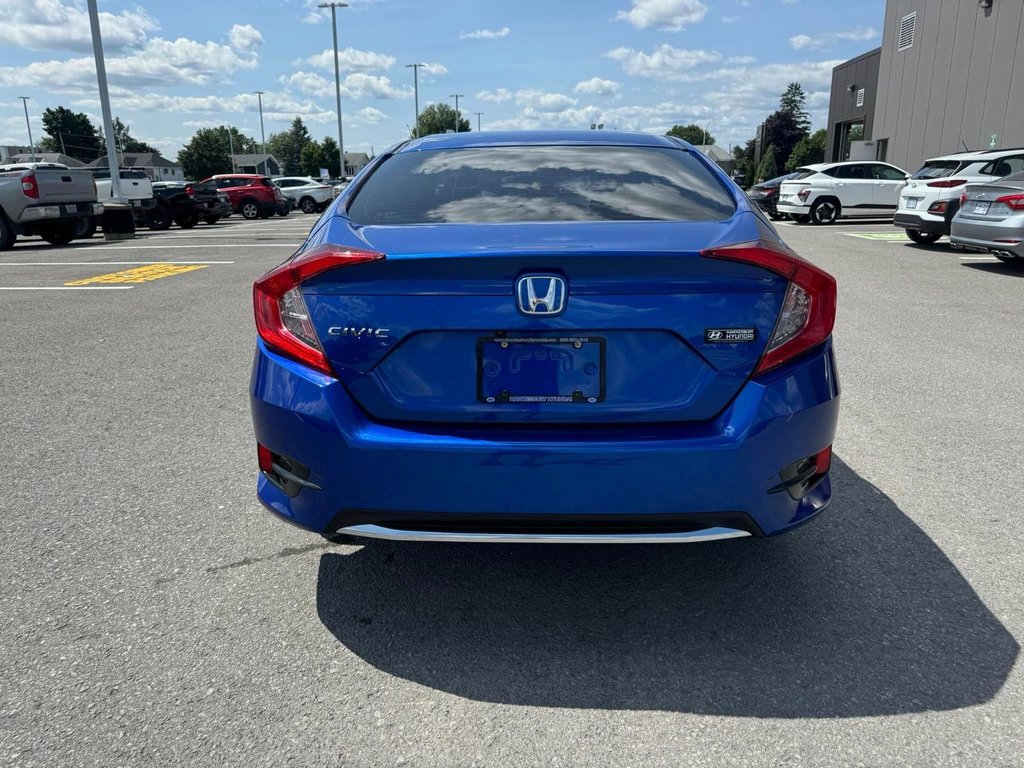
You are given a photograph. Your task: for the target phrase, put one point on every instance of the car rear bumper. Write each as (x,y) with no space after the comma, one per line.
(792,209)
(987,235)
(438,481)
(50,212)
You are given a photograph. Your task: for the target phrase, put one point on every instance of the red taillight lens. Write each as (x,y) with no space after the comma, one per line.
(282,319)
(963,199)
(939,207)
(823,461)
(188,190)
(947,183)
(803,194)
(1013,202)
(29,187)
(808,310)
(265,458)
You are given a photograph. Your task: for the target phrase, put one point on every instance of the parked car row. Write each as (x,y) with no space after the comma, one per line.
(975,198)
(49,200)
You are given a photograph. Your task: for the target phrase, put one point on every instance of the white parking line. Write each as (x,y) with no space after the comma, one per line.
(68,288)
(979,258)
(131,247)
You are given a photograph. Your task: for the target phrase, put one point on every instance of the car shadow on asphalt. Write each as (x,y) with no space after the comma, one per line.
(1014,269)
(856,614)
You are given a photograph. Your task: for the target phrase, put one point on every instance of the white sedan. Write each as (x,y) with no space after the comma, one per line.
(309,195)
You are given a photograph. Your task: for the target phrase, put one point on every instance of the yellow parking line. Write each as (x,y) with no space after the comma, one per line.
(140,274)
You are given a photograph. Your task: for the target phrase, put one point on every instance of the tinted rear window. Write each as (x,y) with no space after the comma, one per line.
(547,183)
(938,169)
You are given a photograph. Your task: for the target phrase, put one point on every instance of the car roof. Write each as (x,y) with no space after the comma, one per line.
(238,176)
(468,139)
(961,156)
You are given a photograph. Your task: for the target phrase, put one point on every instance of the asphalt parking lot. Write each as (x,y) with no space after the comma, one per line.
(154,614)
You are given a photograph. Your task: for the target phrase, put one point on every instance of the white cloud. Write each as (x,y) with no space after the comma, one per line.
(245,37)
(277,105)
(313,14)
(498,96)
(597,87)
(356,85)
(806,42)
(486,34)
(352,60)
(544,102)
(663,62)
(433,68)
(666,15)
(371,115)
(55,25)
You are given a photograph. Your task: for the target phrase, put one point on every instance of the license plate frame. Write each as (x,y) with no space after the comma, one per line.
(981,207)
(912,203)
(497,357)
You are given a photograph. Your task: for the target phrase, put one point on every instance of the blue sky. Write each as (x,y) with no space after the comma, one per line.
(178,65)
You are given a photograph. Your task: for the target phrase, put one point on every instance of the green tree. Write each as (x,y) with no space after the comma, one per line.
(312,159)
(782,132)
(794,102)
(808,150)
(206,154)
(125,142)
(767,169)
(332,160)
(287,146)
(692,133)
(438,118)
(72,133)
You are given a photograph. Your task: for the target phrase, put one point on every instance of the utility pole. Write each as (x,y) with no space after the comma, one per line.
(108,120)
(337,78)
(478,119)
(231,149)
(28,125)
(456,96)
(706,126)
(61,137)
(416,93)
(263,136)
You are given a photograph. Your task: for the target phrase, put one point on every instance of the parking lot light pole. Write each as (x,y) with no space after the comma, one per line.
(416,93)
(263,135)
(108,120)
(337,77)
(478,114)
(456,96)
(28,125)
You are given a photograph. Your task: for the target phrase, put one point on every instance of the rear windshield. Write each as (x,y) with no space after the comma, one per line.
(801,173)
(546,183)
(937,169)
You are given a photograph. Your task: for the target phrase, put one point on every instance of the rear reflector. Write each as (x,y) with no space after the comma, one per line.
(809,308)
(823,461)
(282,319)
(265,457)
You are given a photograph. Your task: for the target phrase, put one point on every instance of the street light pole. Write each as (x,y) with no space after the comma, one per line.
(416,93)
(263,135)
(28,125)
(456,96)
(337,78)
(478,119)
(231,149)
(108,121)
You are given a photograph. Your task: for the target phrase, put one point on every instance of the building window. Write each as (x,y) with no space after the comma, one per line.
(907,31)
(860,98)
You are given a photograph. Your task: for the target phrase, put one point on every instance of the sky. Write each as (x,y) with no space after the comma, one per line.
(175,66)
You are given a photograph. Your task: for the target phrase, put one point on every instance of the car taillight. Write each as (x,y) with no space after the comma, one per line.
(947,183)
(939,207)
(29,187)
(1014,202)
(188,190)
(808,309)
(282,319)
(963,199)
(803,194)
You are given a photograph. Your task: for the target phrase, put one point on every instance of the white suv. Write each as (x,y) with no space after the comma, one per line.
(825,192)
(932,196)
(309,195)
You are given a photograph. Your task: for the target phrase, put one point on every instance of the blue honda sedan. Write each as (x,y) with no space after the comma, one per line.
(545,336)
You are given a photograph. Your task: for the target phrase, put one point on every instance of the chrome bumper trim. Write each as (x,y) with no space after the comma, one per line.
(394,534)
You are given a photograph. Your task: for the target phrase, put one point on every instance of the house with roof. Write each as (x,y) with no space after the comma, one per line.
(264,164)
(156,167)
(45,157)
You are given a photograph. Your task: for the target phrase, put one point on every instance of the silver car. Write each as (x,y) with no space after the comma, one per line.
(309,195)
(991,218)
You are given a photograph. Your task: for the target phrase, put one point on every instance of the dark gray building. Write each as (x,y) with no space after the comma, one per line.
(950,75)
(851,107)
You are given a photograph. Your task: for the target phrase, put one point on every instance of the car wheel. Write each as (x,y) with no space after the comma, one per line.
(60,234)
(307,205)
(187,220)
(775,216)
(159,218)
(85,228)
(922,238)
(211,219)
(825,211)
(7,235)
(801,218)
(249,209)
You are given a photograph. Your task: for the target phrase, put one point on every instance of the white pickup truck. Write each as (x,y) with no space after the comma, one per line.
(136,189)
(50,200)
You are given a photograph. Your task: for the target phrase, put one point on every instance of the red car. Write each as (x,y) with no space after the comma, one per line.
(252,195)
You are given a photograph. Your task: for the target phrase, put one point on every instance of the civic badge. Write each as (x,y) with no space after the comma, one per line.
(543,295)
